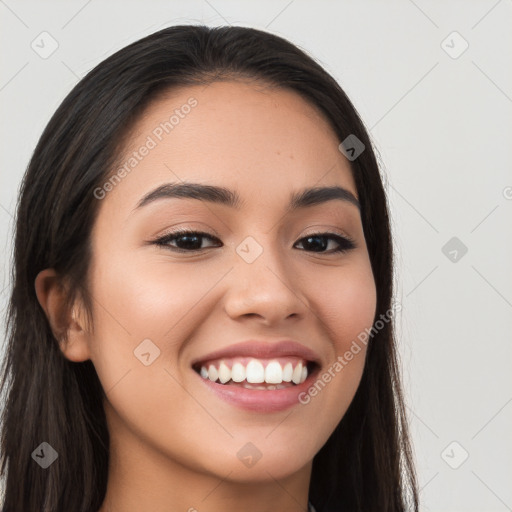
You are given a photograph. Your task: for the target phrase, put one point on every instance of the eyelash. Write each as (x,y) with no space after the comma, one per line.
(345,243)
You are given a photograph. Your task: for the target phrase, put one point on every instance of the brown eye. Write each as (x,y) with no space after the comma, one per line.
(184,240)
(318,242)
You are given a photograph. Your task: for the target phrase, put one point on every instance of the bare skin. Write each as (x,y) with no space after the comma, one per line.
(174,444)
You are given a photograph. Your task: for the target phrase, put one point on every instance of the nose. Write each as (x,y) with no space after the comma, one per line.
(265,289)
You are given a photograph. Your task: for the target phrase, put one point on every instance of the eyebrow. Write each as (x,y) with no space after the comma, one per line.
(214,194)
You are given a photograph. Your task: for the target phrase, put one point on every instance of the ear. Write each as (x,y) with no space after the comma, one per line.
(68,327)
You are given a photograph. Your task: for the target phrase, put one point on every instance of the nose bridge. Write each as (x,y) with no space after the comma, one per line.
(262,282)
(258,257)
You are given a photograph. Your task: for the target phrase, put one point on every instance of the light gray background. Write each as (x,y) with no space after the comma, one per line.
(442,126)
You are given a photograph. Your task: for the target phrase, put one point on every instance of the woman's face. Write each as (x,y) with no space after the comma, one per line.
(164,311)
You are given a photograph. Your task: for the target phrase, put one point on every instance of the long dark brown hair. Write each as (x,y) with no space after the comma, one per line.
(366,465)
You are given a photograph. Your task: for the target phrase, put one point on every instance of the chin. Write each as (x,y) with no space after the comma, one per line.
(259,461)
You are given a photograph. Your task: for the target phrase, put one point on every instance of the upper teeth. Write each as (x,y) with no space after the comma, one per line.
(254,372)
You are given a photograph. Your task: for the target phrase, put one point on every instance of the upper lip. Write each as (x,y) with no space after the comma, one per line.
(263,350)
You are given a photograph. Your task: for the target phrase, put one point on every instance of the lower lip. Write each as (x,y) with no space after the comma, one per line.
(260,400)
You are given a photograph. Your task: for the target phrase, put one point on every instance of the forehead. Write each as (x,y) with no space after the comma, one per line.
(263,142)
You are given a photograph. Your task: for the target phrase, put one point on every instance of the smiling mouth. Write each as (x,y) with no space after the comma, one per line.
(256,373)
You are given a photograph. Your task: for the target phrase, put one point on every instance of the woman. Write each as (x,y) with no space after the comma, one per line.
(201,312)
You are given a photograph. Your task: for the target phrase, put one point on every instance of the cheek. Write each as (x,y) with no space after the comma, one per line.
(346,304)
(141,300)
(136,302)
